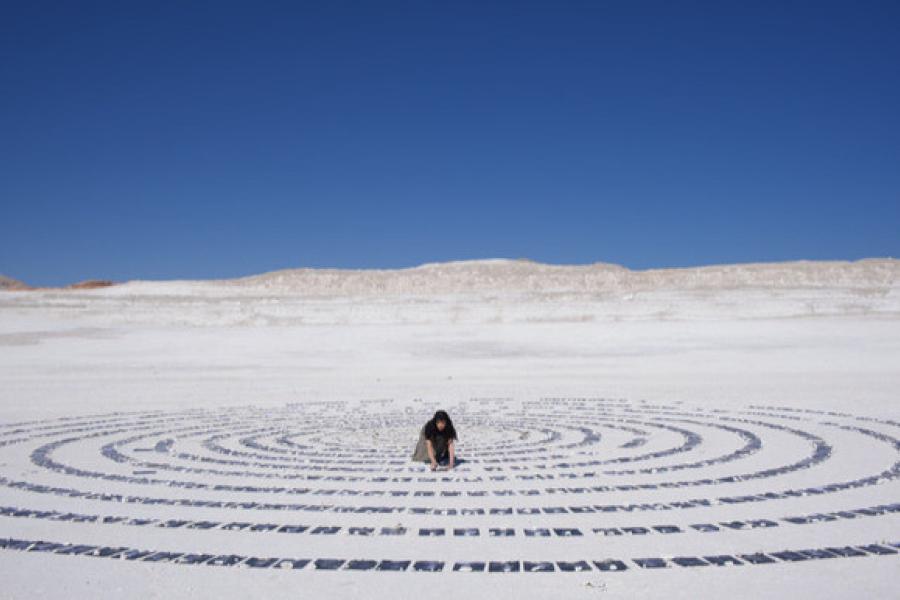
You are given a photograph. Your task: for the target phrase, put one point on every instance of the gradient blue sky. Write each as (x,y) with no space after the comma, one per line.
(222,139)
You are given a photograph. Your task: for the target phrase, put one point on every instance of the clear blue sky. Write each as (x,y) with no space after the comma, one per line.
(157,140)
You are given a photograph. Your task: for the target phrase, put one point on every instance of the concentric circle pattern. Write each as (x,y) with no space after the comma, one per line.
(548,485)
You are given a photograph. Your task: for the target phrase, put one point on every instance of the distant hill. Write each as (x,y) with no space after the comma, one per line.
(522,276)
(495,291)
(8,283)
(526,276)
(90,284)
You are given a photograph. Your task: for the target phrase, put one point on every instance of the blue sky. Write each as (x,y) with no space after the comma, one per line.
(158,140)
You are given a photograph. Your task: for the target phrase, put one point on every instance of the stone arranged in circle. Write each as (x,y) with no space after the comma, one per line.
(537,481)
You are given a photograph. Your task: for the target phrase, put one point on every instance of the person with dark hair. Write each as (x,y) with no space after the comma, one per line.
(437,441)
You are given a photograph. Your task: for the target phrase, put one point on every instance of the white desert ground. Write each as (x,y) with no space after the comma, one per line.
(724,431)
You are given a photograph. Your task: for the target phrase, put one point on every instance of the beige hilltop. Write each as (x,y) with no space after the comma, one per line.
(8,283)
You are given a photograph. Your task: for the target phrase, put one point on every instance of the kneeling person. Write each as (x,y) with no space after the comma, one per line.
(436,441)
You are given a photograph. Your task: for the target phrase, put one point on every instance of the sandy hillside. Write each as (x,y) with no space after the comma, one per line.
(493,291)
(8,283)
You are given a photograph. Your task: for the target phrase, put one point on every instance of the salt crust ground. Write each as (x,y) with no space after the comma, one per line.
(801,336)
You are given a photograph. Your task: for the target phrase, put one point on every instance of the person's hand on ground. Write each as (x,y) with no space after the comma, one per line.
(450,465)
(433,465)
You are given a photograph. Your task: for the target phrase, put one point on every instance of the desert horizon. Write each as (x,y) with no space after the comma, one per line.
(10,283)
